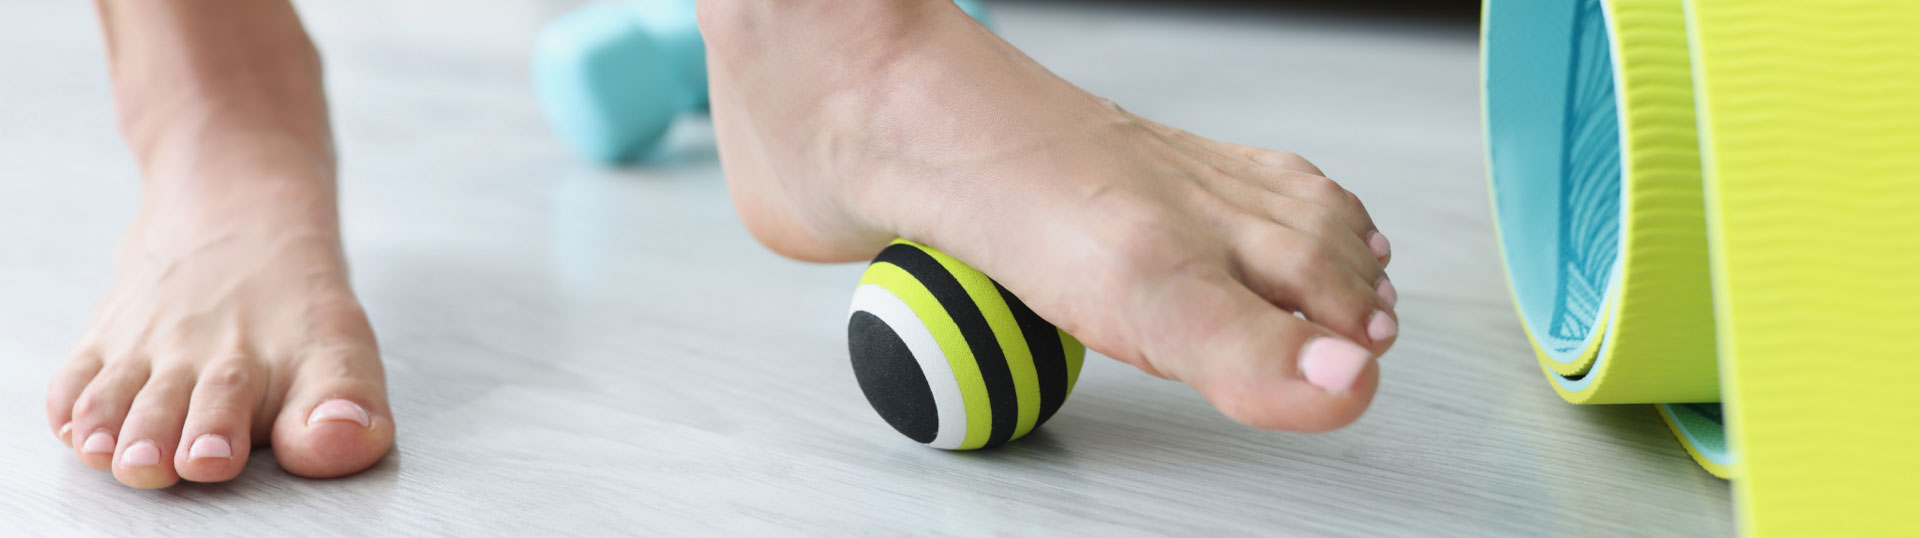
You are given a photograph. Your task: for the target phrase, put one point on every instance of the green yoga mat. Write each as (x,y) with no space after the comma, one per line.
(1714,206)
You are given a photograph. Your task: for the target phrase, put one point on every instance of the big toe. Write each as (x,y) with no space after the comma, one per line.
(1261,365)
(335,421)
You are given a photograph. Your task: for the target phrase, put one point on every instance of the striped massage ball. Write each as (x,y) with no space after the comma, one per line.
(951,359)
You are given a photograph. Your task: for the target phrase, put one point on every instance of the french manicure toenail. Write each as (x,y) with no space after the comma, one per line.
(1332,364)
(210,446)
(339,410)
(140,454)
(100,442)
(1379,244)
(1387,293)
(1382,326)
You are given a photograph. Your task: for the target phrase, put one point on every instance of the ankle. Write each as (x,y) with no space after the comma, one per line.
(228,201)
(217,152)
(232,125)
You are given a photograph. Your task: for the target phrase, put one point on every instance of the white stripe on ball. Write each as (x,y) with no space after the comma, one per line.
(951,408)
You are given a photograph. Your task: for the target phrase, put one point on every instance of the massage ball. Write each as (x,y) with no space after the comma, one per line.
(613,75)
(951,359)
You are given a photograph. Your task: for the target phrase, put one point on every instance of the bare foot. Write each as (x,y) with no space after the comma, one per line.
(229,323)
(843,125)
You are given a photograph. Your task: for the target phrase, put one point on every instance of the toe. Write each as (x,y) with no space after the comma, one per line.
(1328,193)
(1296,272)
(217,437)
(1291,191)
(152,430)
(101,409)
(1260,365)
(1381,248)
(1337,202)
(1387,292)
(65,390)
(335,421)
(1328,227)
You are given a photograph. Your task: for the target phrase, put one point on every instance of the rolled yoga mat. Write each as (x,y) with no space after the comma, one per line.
(1714,205)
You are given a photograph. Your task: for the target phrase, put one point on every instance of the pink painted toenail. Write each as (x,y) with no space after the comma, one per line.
(100,442)
(1381,327)
(210,446)
(339,410)
(1379,245)
(1387,293)
(140,454)
(1332,364)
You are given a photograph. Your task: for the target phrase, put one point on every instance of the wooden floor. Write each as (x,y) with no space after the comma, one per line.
(583,351)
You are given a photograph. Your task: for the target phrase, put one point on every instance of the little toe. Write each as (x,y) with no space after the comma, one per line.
(335,421)
(1380,246)
(101,409)
(217,437)
(65,390)
(152,430)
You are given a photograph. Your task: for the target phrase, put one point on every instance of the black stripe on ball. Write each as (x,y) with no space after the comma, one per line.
(1049,358)
(891,378)
(1004,405)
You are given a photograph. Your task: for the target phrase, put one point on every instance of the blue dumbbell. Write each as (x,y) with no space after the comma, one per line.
(612,76)
(976,10)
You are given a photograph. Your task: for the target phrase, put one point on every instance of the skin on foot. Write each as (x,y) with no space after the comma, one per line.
(229,324)
(1183,256)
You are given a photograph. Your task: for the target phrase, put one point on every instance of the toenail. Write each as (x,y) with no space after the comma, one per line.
(1387,292)
(1332,364)
(1379,244)
(141,453)
(64,430)
(339,410)
(210,446)
(1382,326)
(100,442)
